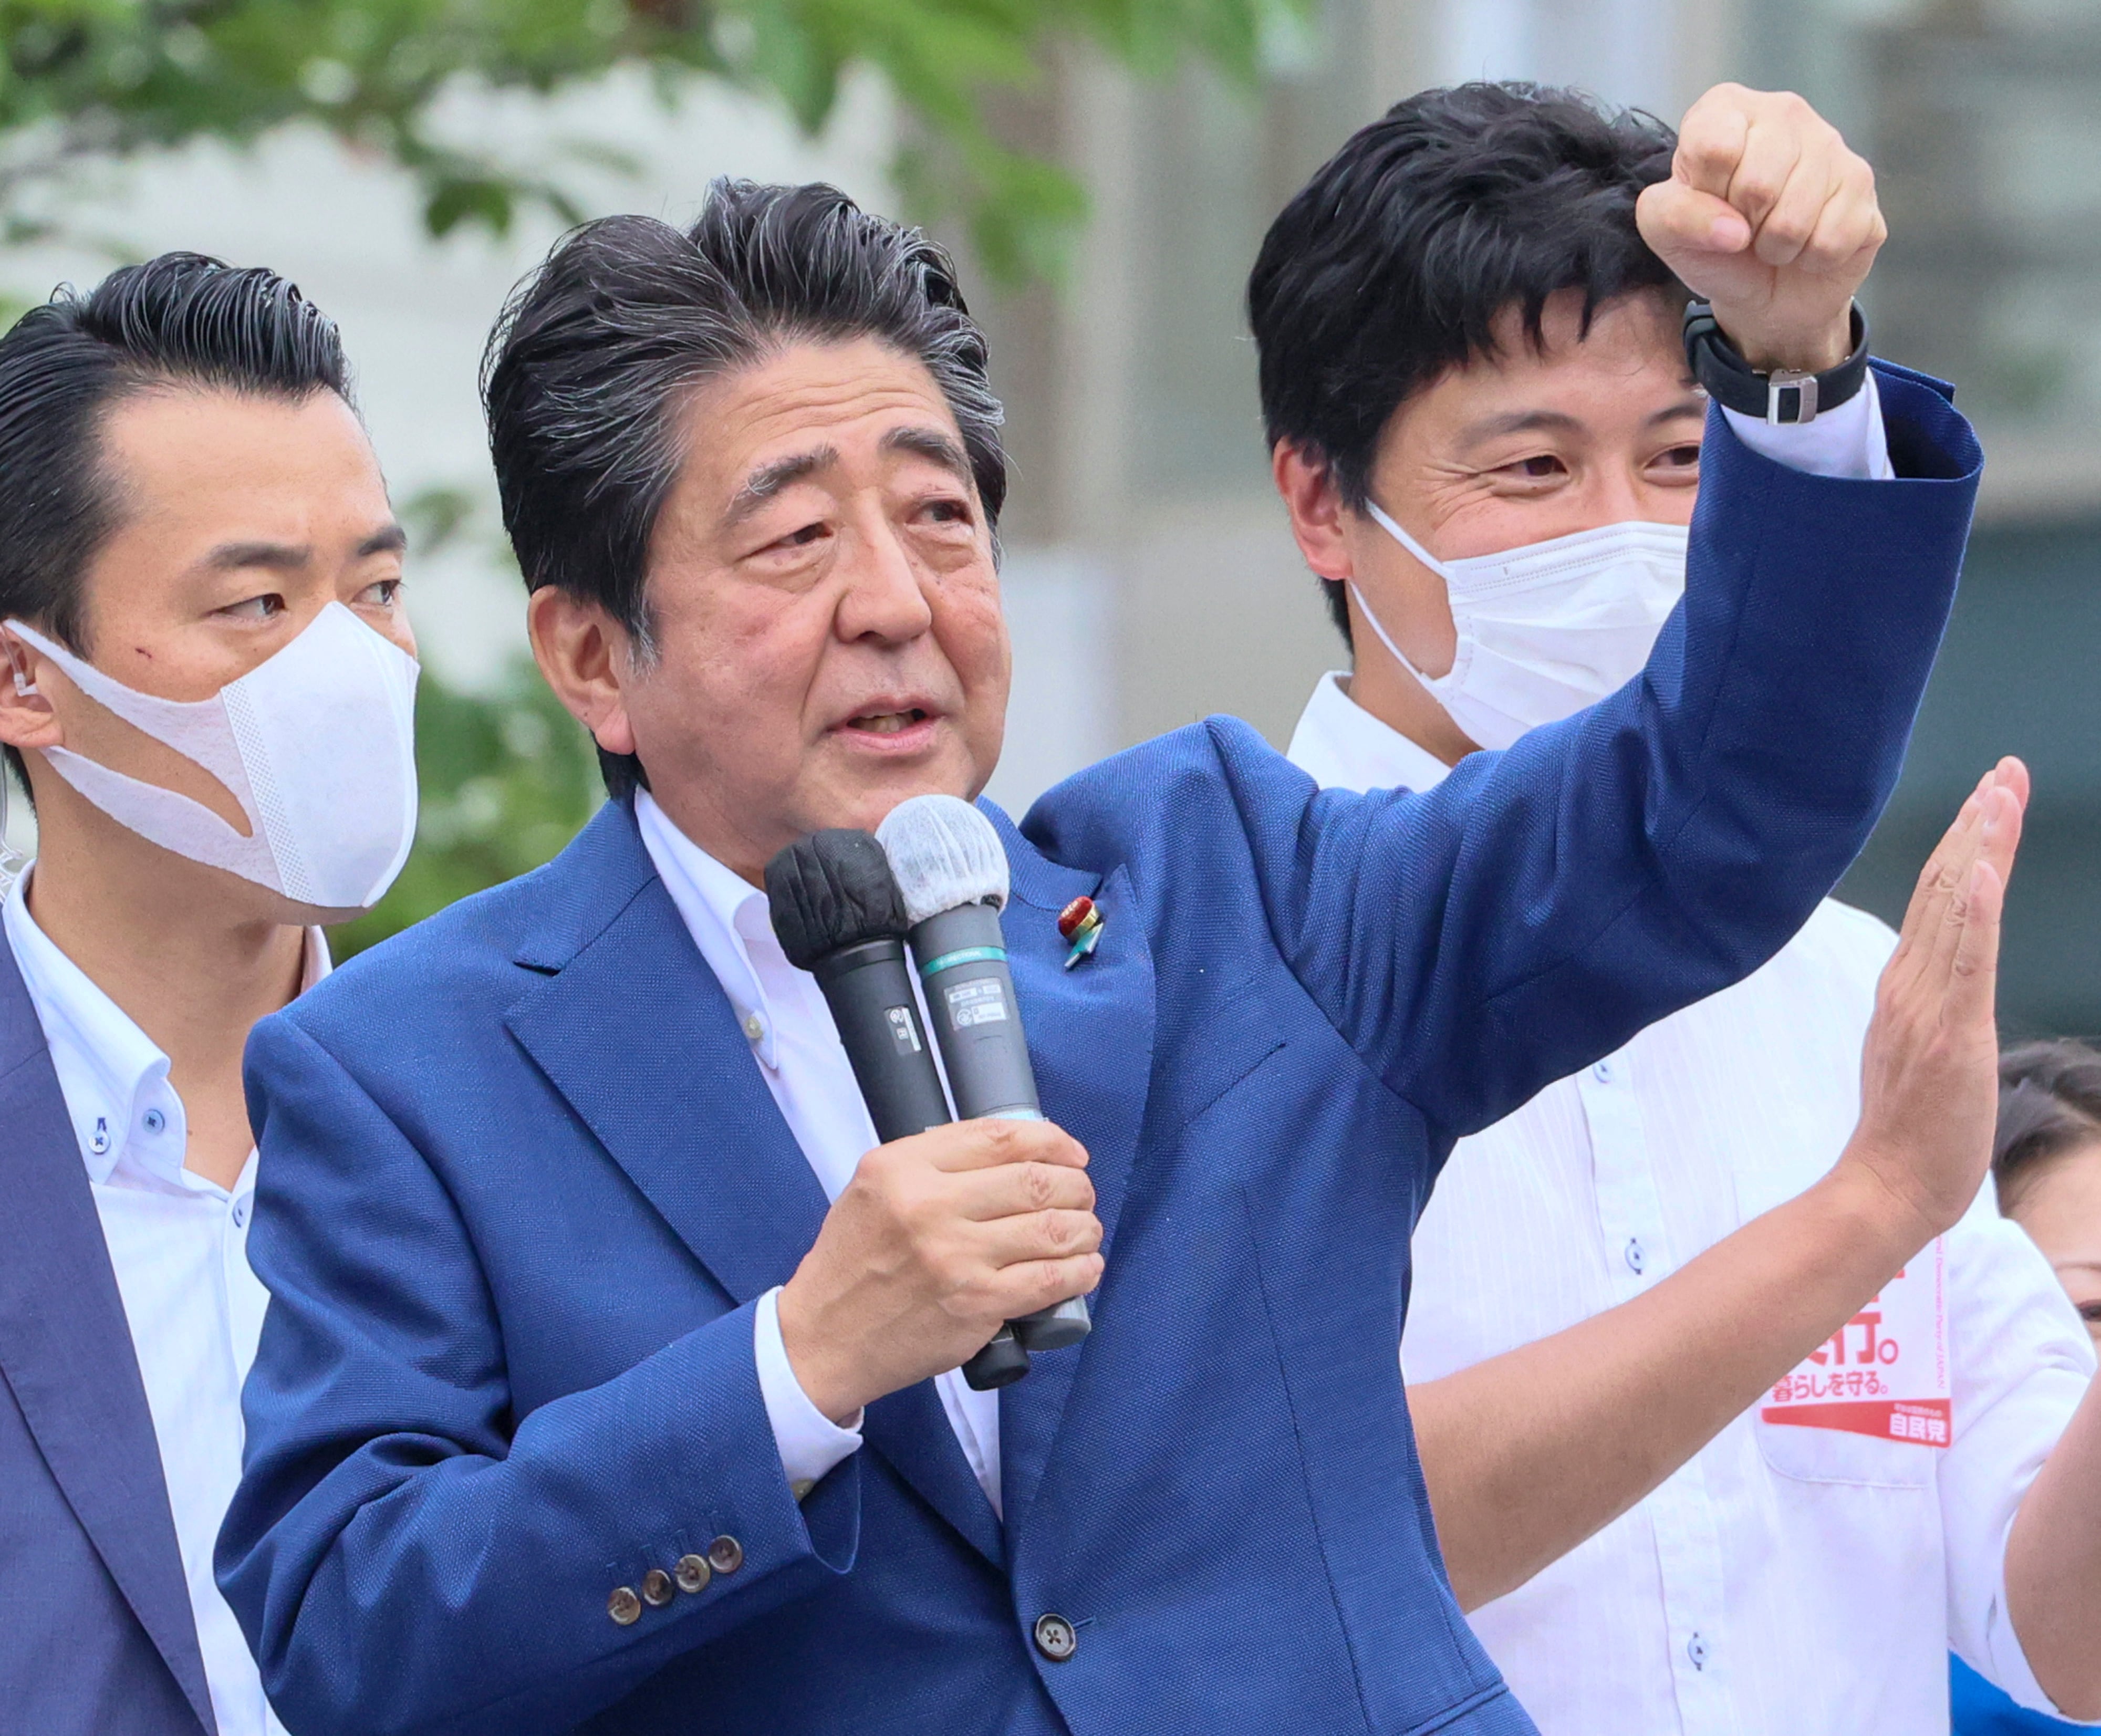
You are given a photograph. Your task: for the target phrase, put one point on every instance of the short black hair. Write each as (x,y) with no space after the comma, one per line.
(2050,1103)
(179,320)
(597,350)
(1391,265)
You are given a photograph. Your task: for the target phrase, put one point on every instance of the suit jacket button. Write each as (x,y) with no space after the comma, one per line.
(693,1573)
(725,1555)
(1054,1638)
(656,1587)
(624,1606)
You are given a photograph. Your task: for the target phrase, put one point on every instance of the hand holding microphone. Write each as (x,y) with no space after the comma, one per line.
(942,1234)
(951,875)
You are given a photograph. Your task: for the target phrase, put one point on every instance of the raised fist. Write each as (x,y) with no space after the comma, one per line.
(1769,217)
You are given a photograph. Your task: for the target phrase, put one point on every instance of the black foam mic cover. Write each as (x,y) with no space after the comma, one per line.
(832,890)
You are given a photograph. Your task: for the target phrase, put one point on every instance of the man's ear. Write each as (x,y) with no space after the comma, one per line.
(1314,503)
(584,654)
(26,717)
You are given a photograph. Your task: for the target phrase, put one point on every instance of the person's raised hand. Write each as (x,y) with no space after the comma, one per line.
(936,1240)
(1769,217)
(1929,1069)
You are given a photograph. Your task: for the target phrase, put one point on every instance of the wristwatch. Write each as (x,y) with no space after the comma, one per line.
(1786,396)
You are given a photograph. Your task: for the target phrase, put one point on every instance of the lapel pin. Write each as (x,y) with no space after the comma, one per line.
(1081,924)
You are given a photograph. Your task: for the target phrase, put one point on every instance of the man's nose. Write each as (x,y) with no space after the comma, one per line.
(883,598)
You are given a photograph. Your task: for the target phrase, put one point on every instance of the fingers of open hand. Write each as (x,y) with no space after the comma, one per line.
(1974,974)
(1937,880)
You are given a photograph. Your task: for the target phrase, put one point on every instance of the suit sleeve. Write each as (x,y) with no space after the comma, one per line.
(510,1536)
(1475,943)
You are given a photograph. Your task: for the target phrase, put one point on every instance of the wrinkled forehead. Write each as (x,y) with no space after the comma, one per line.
(804,408)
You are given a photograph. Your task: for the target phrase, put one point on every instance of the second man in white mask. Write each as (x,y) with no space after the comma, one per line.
(206,679)
(1488,433)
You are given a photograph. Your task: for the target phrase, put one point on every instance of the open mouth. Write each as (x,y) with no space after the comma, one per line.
(888,723)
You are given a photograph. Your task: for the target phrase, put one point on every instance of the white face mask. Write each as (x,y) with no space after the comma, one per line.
(316,743)
(1549,628)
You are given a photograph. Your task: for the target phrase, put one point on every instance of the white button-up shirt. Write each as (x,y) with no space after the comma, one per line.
(797,1049)
(1789,1581)
(178,1245)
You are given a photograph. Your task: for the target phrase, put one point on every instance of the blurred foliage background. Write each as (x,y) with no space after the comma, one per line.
(102,78)
(506,776)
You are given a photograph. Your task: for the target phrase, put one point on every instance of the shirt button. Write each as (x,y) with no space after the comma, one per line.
(155,1120)
(624,1606)
(656,1588)
(693,1573)
(754,1027)
(725,1555)
(240,1213)
(1054,1638)
(1695,1648)
(1636,1259)
(1603,1072)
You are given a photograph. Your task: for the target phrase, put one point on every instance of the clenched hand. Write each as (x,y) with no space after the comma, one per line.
(1769,217)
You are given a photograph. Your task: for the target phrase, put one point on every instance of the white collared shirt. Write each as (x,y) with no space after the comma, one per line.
(797,1049)
(1789,1581)
(178,1245)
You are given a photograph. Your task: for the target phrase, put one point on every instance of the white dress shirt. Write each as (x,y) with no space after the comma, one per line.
(179,1244)
(796,1048)
(1789,1581)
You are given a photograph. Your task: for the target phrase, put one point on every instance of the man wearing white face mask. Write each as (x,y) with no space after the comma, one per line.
(206,681)
(1486,423)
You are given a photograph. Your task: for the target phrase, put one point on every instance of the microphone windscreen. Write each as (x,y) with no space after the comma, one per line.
(832,890)
(945,853)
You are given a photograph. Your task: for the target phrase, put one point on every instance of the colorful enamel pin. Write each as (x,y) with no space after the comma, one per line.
(1081,924)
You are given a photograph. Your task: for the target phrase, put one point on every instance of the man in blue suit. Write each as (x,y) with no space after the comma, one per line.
(607,1385)
(193,528)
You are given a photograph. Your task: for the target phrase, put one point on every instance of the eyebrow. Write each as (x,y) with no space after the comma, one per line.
(1559,422)
(933,445)
(293,557)
(763,484)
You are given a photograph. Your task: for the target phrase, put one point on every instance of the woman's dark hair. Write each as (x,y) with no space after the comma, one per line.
(1391,264)
(2050,1103)
(599,349)
(179,320)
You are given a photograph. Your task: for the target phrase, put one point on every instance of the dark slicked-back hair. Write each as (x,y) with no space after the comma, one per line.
(179,320)
(2050,1103)
(1393,263)
(599,349)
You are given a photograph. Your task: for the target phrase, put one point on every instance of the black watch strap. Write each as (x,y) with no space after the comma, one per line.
(1784,396)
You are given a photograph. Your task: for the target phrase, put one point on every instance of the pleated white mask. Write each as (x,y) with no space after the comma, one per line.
(1548,628)
(316,743)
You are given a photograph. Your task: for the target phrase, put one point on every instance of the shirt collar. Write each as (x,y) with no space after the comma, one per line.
(725,913)
(1341,746)
(114,1077)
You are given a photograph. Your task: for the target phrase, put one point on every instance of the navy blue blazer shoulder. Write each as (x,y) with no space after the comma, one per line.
(96,1636)
(522,1184)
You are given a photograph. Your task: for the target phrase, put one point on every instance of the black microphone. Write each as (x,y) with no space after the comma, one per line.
(951,871)
(838,914)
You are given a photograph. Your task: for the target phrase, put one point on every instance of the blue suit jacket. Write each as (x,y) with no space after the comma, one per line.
(96,1636)
(522,1182)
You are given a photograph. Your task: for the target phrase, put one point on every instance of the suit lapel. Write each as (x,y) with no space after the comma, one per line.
(633,1028)
(1090,1040)
(635,1032)
(66,1350)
